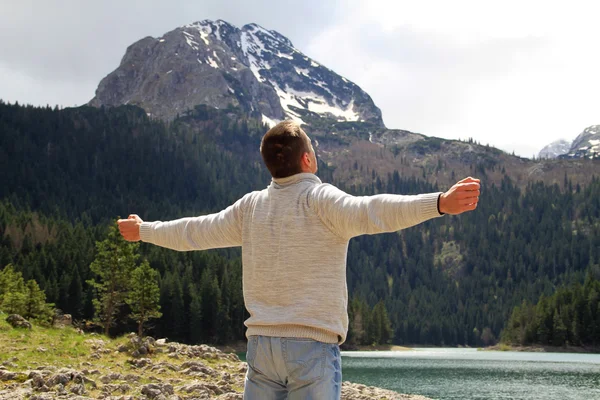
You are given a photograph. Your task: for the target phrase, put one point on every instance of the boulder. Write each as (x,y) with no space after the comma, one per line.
(16,321)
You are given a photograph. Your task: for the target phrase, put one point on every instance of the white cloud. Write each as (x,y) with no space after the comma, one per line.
(517,75)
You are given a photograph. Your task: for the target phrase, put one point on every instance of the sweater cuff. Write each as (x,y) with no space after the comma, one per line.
(146,232)
(429,205)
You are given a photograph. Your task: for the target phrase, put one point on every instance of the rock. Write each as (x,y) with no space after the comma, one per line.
(96,344)
(214,388)
(225,376)
(64,376)
(356,391)
(16,321)
(132,378)
(124,388)
(196,368)
(90,382)
(163,366)
(123,348)
(8,376)
(42,397)
(60,321)
(153,390)
(231,396)
(111,378)
(61,391)
(78,389)
(110,388)
(120,398)
(140,363)
(37,379)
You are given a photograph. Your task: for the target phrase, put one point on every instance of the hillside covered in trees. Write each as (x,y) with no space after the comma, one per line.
(571,316)
(68,174)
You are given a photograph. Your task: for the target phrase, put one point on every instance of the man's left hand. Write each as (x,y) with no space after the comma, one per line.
(461,197)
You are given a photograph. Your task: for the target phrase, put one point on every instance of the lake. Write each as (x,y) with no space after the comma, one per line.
(446,374)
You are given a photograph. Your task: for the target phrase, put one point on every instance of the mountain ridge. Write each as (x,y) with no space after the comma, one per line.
(585,145)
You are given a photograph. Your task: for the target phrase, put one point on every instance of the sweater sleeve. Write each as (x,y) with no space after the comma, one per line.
(349,216)
(223,229)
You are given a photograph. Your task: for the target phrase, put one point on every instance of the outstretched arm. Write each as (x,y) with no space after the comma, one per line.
(223,229)
(350,216)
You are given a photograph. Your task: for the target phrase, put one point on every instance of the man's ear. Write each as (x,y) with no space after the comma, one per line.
(306,158)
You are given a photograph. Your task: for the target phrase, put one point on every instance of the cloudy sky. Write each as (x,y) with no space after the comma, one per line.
(514,74)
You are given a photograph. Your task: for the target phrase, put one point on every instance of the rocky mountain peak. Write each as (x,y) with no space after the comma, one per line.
(217,64)
(587,144)
(259,30)
(555,149)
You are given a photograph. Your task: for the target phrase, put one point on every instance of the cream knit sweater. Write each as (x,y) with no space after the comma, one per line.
(294,236)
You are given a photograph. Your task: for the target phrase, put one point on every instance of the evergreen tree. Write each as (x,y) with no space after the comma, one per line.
(13,296)
(196,328)
(35,304)
(382,326)
(25,299)
(559,331)
(114,262)
(144,295)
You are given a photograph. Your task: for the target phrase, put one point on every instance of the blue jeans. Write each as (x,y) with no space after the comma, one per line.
(293,369)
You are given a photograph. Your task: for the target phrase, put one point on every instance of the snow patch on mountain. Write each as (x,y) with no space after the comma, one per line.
(253,48)
(212,62)
(302,71)
(287,100)
(318,104)
(269,122)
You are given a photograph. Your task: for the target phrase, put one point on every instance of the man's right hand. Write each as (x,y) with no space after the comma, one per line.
(130,228)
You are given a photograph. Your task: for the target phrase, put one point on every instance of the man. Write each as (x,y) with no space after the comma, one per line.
(294,237)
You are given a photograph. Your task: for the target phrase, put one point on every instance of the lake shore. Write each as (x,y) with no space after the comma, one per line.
(543,349)
(382,347)
(240,347)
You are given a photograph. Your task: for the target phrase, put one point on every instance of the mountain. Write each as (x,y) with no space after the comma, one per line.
(216,64)
(586,145)
(258,73)
(555,149)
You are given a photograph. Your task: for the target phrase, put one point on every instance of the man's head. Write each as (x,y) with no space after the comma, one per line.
(286,150)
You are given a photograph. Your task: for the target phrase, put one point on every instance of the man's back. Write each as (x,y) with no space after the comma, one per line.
(294,265)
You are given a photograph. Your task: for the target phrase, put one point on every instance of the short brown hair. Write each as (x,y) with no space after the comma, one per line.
(282,148)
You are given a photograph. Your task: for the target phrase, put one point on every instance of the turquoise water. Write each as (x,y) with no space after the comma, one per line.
(446,374)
